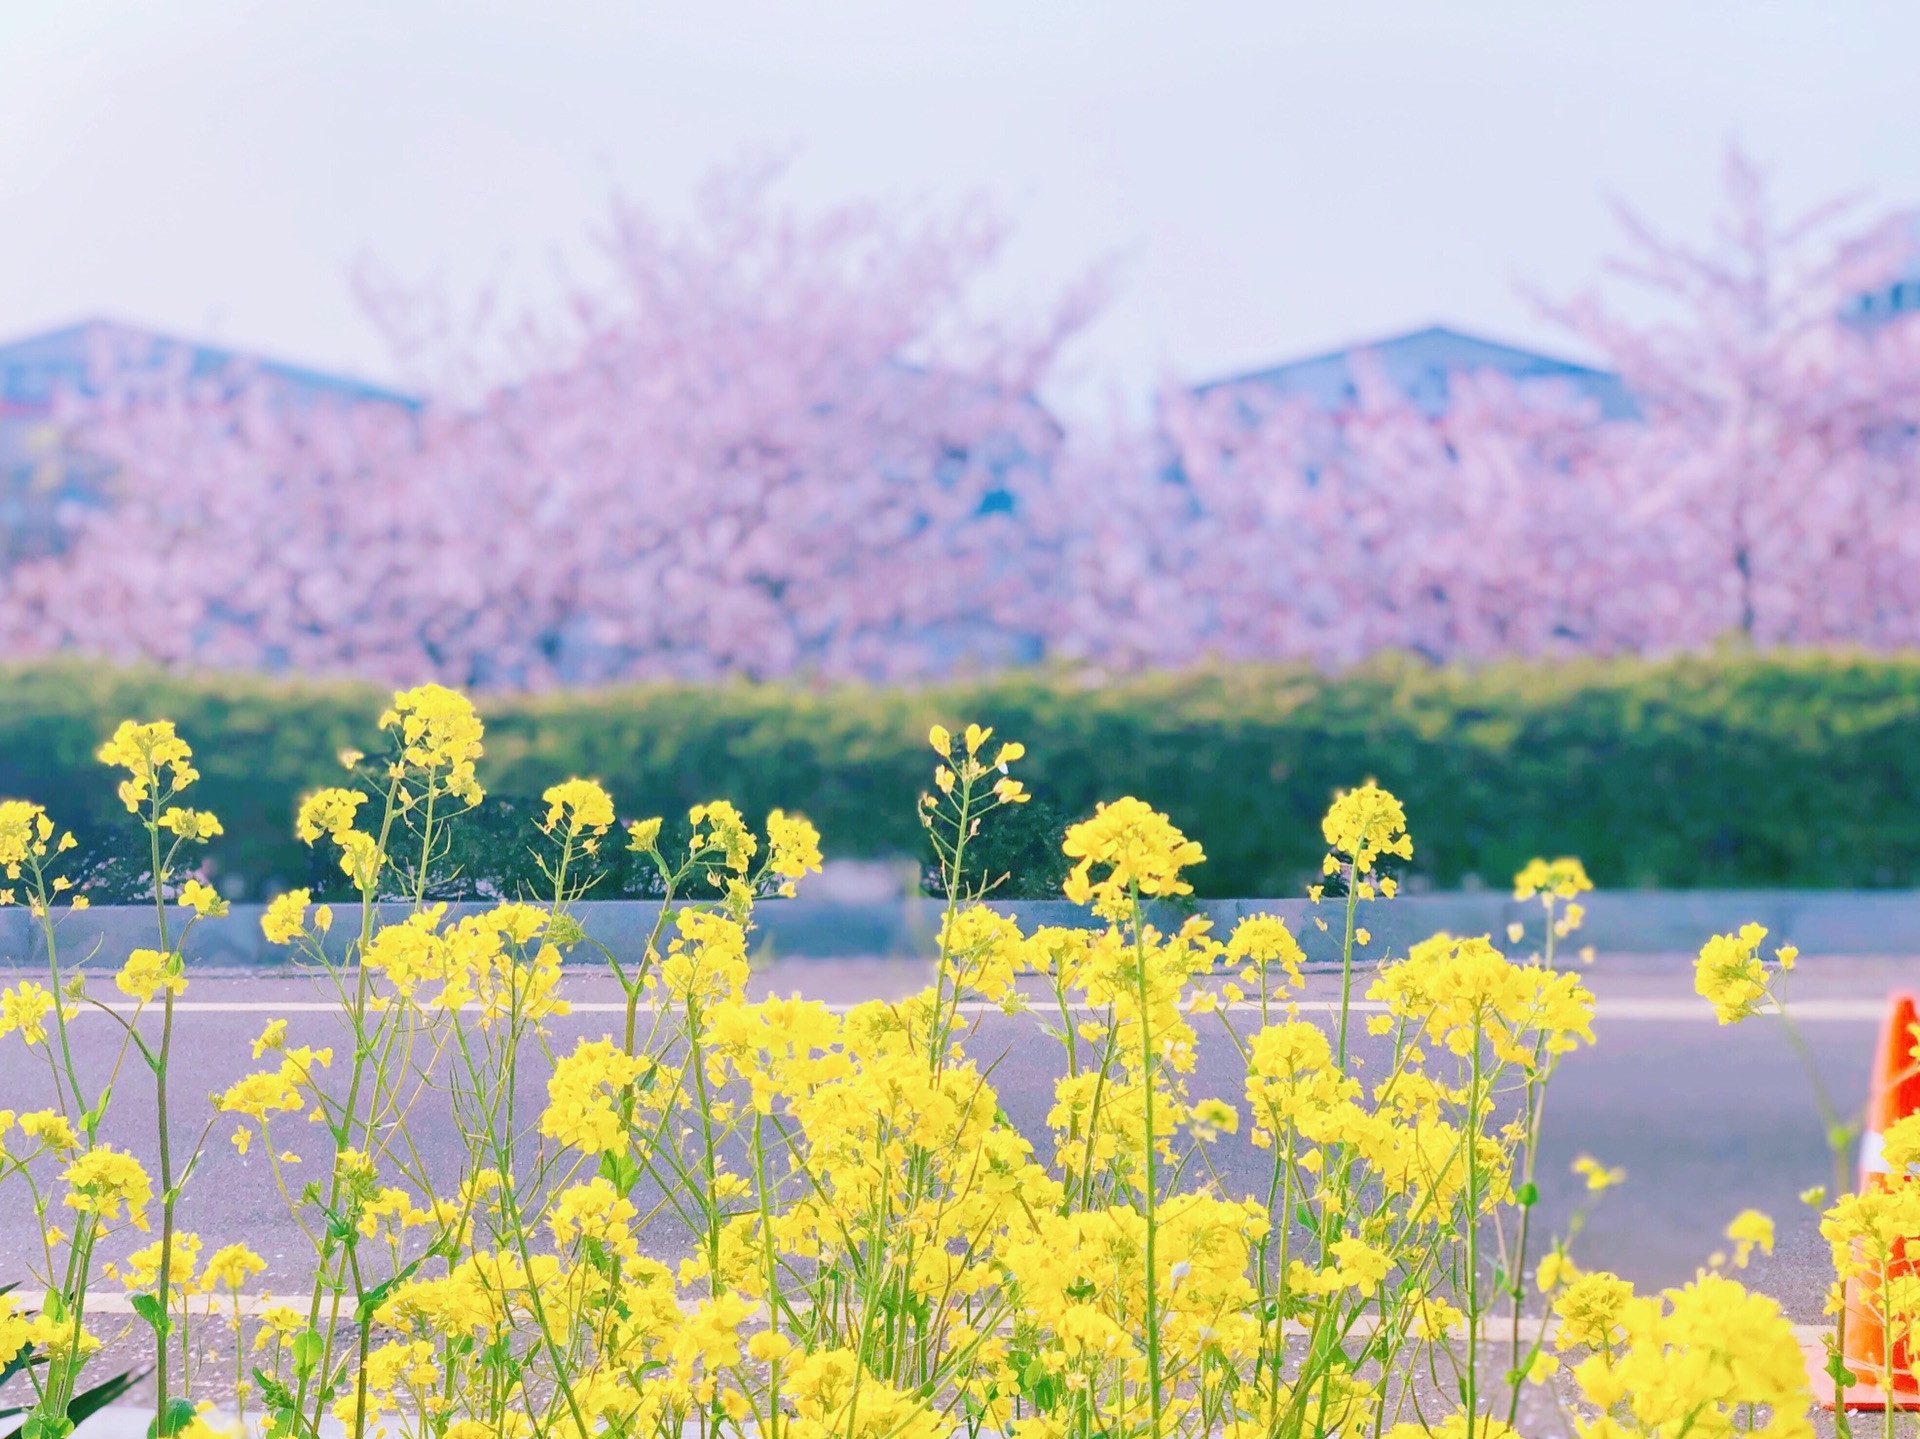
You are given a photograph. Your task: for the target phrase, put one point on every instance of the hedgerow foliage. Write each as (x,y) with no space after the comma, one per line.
(1737,769)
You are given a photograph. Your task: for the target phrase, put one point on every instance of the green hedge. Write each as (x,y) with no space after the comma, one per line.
(1726,770)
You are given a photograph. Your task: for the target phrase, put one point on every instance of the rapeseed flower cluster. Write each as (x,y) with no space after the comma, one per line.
(1139,851)
(1557,885)
(25,832)
(148,972)
(28,851)
(1704,1359)
(1363,825)
(580,808)
(104,1180)
(158,762)
(1731,976)
(25,1007)
(440,740)
(738,1215)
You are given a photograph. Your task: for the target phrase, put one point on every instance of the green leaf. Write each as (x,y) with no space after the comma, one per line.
(276,1394)
(90,1121)
(178,1414)
(149,1308)
(41,1426)
(620,1171)
(308,1348)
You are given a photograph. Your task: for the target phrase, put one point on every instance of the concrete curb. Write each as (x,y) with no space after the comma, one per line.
(1820,922)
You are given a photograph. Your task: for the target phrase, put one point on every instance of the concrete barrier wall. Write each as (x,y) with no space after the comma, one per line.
(1820,922)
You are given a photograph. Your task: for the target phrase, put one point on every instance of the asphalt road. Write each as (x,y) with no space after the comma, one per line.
(1706,1120)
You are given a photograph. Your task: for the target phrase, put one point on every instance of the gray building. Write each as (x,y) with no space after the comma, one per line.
(46,472)
(1419,365)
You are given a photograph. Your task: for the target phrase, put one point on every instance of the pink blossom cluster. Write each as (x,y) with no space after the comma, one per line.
(770,445)
(1768,485)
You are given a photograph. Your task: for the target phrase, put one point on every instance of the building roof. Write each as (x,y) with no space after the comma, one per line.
(1418,364)
(33,369)
(1897,294)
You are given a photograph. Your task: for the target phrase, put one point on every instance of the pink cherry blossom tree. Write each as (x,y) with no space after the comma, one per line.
(762,444)
(1777,450)
(1768,485)
(1333,535)
(773,444)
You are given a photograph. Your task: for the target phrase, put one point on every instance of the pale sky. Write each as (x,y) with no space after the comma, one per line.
(1272,179)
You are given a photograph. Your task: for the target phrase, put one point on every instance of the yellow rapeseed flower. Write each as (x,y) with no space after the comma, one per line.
(50,1130)
(1563,878)
(1750,1229)
(1137,846)
(1700,1358)
(440,738)
(327,811)
(577,808)
(717,825)
(1730,976)
(793,846)
(100,1181)
(1263,940)
(25,1007)
(203,899)
(286,916)
(147,972)
(1596,1174)
(1364,824)
(231,1267)
(145,751)
(1589,1309)
(582,1094)
(198,825)
(1555,1269)
(1466,991)
(24,828)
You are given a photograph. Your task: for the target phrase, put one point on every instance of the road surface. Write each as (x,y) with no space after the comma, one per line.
(1706,1120)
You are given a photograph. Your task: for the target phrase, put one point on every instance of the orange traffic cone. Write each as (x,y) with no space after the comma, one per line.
(1893,1093)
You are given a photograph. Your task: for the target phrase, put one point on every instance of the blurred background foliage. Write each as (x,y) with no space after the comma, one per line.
(1733,769)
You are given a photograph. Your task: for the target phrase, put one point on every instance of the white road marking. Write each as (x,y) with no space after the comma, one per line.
(215,1305)
(1651,1010)
(1498,1327)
